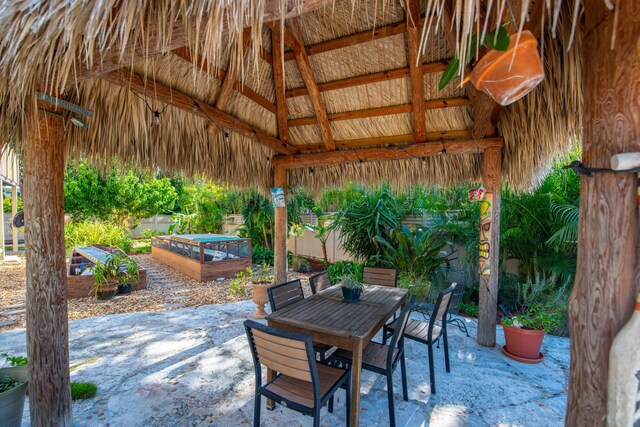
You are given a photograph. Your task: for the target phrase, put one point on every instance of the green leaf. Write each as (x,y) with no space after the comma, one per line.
(449,73)
(501,42)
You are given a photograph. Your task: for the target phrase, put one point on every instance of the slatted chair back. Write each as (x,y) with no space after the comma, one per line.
(319,282)
(285,294)
(380,276)
(397,339)
(443,278)
(440,309)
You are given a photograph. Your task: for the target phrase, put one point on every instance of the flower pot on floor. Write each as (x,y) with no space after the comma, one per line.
(106,291)
(523,343)
(260,297)
(12,400)
(124,289)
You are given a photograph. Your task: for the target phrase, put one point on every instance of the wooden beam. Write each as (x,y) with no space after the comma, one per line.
(136,83)
(608,271)
(137,50)
(489,246)
(187,55)
(47,312)
(280,233)
(415,70)
(431,67)
(293,37)
(387,140)
(417,150)
(278,78)
(384,111)
(352,40)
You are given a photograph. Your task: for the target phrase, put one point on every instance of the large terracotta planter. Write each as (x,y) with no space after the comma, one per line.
(523,344)
(107,291)
(12,401)
(260,297)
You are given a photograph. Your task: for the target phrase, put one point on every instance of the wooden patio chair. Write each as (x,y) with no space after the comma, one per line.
(285,294)
(301,383)
(319,282)
(382,276)
(428,333)
(383,359)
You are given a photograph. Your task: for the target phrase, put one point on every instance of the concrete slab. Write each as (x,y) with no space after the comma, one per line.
(192,367)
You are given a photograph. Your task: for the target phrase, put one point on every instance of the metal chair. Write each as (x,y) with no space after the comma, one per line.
(319,282)
(301,383)
(382,276)
(428,333)
(285,294)
(383,359)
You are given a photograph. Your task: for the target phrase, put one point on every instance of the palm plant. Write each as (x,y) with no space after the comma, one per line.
(414,254)
(321,232)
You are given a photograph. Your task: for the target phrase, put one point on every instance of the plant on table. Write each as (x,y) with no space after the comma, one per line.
(351,288)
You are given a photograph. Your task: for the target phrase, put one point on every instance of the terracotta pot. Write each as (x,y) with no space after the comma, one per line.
(260,298)
(107,291)
(505,81)
(524,343)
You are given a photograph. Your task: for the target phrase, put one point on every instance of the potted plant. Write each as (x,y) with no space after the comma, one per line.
(116,270)
(129,273)
(260,282)
(524,332)
(351,288)
(13,389)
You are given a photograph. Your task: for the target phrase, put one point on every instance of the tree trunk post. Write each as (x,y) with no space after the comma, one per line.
(47,320)
(489,246)
(607,274)
(2,219)
(14,212)
(280,229)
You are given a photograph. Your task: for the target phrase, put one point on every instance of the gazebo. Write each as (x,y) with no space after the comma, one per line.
(315,93)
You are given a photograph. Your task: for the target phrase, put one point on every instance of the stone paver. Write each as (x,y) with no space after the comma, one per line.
(192,367)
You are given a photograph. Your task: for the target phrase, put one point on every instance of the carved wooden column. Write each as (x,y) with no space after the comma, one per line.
(607,274)
(14,212)
(47,321)
(489,246)
(280,229)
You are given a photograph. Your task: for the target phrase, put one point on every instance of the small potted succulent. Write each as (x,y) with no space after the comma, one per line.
(351,288)
(118,270)
(524,332)
(13,389)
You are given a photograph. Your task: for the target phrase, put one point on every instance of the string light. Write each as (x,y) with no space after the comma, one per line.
(227,135)
(196,106)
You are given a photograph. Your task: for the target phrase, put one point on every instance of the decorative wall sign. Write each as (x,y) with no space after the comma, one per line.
(485,234)
(277,197)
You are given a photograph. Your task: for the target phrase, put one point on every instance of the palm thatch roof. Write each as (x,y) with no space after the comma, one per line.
(189,48)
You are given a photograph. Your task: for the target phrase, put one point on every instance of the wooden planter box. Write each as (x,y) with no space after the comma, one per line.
(79,286)
(203,257)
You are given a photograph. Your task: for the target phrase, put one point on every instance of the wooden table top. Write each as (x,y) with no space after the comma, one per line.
(328,313)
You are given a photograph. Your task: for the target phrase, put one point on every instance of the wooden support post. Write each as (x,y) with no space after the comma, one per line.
(607,275)
(14,212)
(1,220)
(47,321)
(280,229)
(489,246)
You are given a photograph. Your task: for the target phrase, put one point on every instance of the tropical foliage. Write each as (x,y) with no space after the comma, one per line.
(87,233)
(6,204)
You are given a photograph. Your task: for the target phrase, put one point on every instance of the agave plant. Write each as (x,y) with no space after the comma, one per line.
(415,254)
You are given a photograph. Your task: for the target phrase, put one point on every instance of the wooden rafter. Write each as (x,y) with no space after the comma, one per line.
(293,37)
(431,67)
(278,78)
(187,55)
(417,150)
(415,70)
(167,95)
(385,111)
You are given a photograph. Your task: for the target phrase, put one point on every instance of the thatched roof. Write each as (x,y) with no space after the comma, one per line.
(44,45)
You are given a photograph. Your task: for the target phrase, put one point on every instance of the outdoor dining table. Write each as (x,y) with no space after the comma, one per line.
(329,319)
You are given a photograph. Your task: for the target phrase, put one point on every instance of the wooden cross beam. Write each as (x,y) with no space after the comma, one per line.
(417,150)
(415,70)
(278,78)
(167,95)
(385,111)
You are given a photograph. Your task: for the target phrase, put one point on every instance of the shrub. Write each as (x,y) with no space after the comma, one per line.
(96,232)
(344,268)
(239,286)
(261,255)
(469,309)
(6,204)
(83,390)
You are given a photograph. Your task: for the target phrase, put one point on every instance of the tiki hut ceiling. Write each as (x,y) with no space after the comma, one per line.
(354,52)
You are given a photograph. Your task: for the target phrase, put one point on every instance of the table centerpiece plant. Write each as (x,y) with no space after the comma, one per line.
(351,288)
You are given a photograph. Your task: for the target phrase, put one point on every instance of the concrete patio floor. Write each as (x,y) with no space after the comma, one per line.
(192,367)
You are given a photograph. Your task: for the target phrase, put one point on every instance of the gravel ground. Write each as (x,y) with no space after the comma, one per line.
(167,289)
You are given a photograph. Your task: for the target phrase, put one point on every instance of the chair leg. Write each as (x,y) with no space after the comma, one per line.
(348,393)
(392,412)
(316,418)
(460,324)
(432,374)
(256,410)
(331,405)
(403,371)
(446,350)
